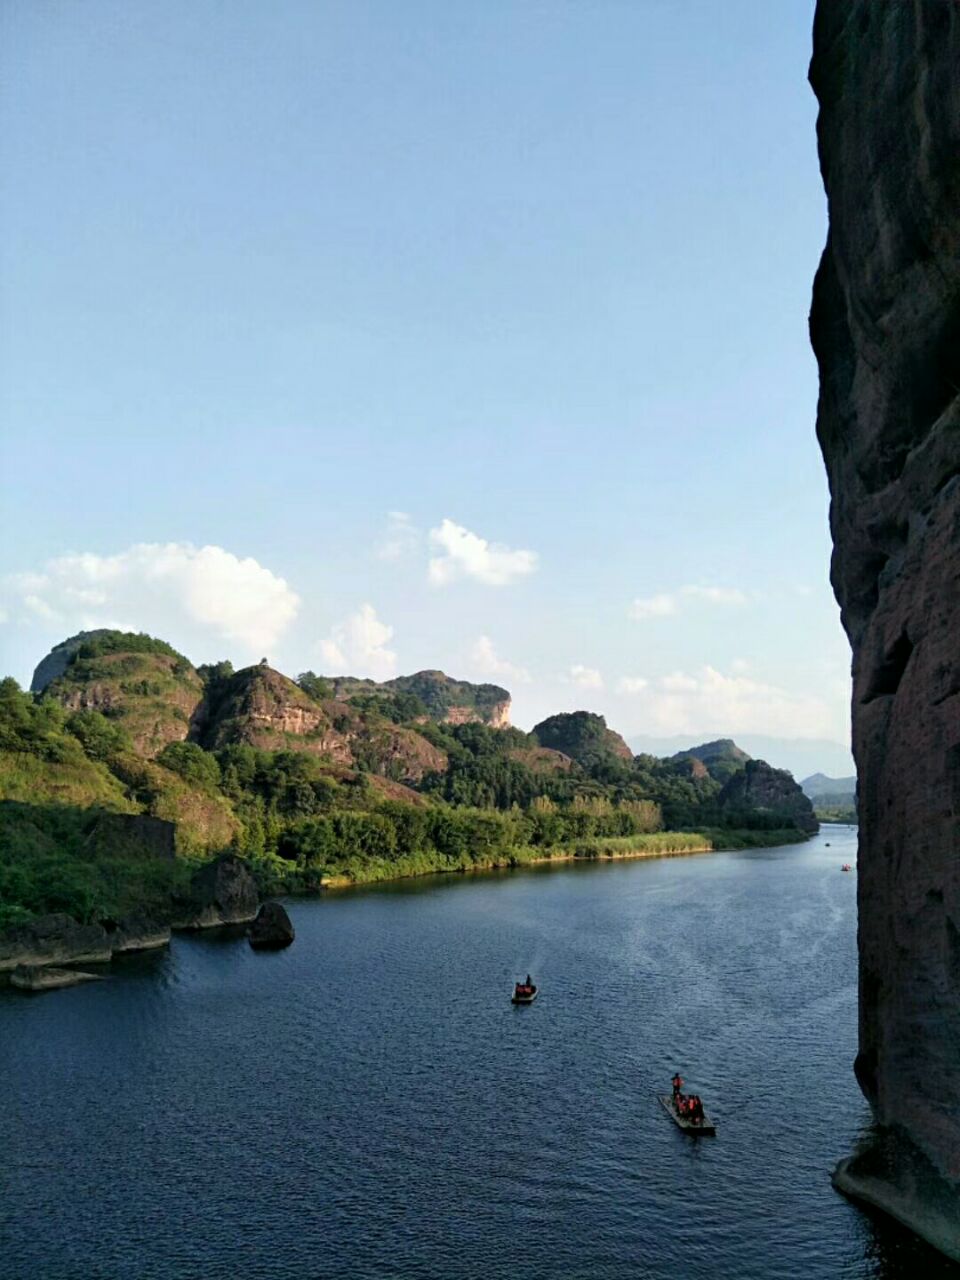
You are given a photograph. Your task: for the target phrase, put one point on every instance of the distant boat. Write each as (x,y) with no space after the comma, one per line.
(846,867)
(524,992)
(704,1127)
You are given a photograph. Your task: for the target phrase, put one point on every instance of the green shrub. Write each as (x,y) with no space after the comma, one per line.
(192,763)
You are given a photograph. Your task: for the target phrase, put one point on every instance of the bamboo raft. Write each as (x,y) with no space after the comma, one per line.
(523,994)
(706,1127)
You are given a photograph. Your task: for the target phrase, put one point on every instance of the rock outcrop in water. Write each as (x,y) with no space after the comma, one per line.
(36,977)
(272,930)
(885,327)
(54,939)
(221,892)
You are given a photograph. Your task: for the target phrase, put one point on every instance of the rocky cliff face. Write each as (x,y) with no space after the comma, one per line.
(886,331)
(259,707)
(446,700)
(58,659)
(151,696)
(760,787)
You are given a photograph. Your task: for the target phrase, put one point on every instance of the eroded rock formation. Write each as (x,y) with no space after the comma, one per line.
(760,787)
(35,977)
(885,327)
(272,930)
(53,940)
(221,892)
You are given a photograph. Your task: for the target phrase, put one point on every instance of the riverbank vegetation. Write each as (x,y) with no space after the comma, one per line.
(315,790)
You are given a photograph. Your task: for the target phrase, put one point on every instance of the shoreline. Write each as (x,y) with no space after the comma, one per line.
(344,881)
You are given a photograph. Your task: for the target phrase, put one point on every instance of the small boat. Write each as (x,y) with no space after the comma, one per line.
(524,992)
(703,1127)
(846,867)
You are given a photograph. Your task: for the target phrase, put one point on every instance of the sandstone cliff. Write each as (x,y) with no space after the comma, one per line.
(259,707)
(444,699)
(763,789)
(885,327)
(151,695)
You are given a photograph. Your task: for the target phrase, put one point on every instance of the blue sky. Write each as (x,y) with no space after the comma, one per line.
(533,277)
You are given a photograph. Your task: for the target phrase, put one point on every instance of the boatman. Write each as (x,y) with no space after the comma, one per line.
(677,1085)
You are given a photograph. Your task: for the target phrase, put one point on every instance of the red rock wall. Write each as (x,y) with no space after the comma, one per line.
(885,327)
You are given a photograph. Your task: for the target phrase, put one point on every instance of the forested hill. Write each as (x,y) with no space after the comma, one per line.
(319,777)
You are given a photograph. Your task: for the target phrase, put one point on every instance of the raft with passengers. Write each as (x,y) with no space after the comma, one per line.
(524,992)
(686,1110)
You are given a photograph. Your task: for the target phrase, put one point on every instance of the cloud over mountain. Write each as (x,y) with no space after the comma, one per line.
(167,588)
(358,646)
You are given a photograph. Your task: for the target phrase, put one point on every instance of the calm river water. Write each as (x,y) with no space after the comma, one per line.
(369,1104)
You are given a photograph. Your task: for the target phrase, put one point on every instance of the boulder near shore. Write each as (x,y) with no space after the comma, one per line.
(272,930)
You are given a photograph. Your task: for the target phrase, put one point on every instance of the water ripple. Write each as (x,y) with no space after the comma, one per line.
(368,1104)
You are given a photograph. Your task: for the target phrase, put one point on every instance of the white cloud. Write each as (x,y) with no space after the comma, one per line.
(715,595)
(173,589)
(709,701)
(586,677)
(677,682)
(358,646)
(486,661)
(400,539)
(660,606)
(632,684)
(667,603)
(467,555)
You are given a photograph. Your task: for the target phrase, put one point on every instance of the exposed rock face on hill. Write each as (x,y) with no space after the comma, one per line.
(55,663)
(446,700)
(397,752)
(761,787)
(153,697)
(583,736)
(262,708)
(542,760)
(885,327)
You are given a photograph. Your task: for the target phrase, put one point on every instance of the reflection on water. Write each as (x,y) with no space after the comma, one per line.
(369,1104)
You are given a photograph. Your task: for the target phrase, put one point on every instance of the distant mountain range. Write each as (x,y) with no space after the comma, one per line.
(822,789)
(802,756)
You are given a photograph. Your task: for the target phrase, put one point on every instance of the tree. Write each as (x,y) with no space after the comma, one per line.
(191,763)
(100,739)
(314,686)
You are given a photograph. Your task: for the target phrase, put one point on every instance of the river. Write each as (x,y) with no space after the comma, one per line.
(369,1104)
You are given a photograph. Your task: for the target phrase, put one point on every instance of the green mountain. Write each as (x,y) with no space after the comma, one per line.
(721,758)
(442,698)
(837,790)
(583,736)
(318,779)
(760,790)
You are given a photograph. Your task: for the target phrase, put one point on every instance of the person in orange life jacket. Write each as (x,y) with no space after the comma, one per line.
(677,1084)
